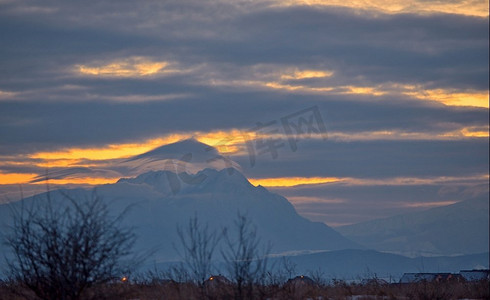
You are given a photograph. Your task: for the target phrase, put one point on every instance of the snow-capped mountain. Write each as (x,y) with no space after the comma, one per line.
(188,179)
(161,200)
(460,228)
(215,197)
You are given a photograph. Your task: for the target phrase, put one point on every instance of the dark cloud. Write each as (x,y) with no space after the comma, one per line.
(373,159)
(45,125)
(223,53)
(449,51)
(337,204)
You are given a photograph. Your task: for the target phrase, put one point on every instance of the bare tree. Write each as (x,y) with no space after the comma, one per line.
(59,253)
(198,244)
(246,263)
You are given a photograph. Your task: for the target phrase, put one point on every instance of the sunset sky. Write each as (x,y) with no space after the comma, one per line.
(401,88)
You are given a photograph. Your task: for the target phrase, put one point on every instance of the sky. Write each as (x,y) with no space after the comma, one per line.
(353,110)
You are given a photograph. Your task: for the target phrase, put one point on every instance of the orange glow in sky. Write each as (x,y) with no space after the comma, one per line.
(468,7)
(16,178)
(111,151)
(452,98)
(291,181)
(305,74)
(445,96)
(224,141)
(350,181)
(80,180)
(229,142)
(429,204)
(130,67)
(472,132)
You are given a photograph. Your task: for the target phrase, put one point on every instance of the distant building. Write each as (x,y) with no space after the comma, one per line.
(301,280)
(475,275)
(430,277)
(217,280)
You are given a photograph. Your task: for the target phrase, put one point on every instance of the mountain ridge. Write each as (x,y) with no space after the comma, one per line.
(169,189)
(216,200)
(460,228)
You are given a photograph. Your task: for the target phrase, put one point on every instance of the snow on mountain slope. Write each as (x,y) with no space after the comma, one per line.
(215,197)
(460,228)
(188,179)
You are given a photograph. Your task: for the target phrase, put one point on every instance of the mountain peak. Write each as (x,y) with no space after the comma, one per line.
(168,182)
(178,150)
(185,156)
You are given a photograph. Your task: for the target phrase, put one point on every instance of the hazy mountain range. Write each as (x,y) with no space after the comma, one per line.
(160,200)
(460,228)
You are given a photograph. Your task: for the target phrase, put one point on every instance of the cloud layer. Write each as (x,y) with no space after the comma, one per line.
(402,91)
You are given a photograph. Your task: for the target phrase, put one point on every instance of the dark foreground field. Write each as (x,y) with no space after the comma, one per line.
(373,289)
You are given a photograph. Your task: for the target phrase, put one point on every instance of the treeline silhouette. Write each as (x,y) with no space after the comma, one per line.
(76,250)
